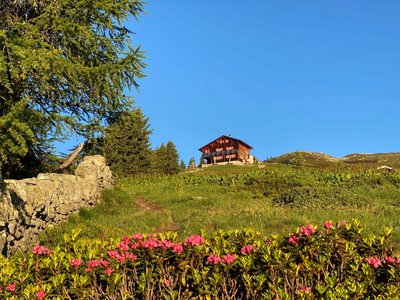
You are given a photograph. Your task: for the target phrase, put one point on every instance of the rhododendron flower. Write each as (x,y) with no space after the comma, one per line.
(328,225)
(151,244)
(390,260)
(214,259)
(130,256)
(138,236)
(165,244)
(307,230)
(178,248)
(41,295)
(229,259)
(40,250)
(76,262)
(373,261)
(247,249)
(112,253)
(294,240)
(194,240)
(123,246)
(108,271)
(11,287)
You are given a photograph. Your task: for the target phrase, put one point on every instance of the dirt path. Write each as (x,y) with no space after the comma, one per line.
(149,206)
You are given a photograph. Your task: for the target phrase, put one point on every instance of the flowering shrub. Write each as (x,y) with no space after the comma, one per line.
(337,261)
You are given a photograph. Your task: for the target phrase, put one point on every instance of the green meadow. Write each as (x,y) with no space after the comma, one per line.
(272,198)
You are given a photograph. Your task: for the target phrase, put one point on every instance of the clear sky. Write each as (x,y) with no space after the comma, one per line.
(282,75)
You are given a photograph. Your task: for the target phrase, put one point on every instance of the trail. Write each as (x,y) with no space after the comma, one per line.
(153,207)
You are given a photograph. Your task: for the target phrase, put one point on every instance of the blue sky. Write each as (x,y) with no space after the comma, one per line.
(282,75)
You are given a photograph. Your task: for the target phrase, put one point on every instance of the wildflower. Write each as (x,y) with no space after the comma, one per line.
(247,249)
(40,250)
(112,253)
(307,230)
(328,225)
(268,242)
(165,244)
(294,240)
(390,260)
(40,294)
(76,262)
(214,259)
(194,240)
(177,248)
(373,261)
(130,256)
(11,287)
(342,223)
(138,236)
(151,244)
(123,246)
(229,259)
(108,271)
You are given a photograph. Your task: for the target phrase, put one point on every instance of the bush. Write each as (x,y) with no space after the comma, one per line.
(337,261)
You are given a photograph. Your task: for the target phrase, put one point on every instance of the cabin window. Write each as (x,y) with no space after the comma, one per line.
(219,149)
(229,148)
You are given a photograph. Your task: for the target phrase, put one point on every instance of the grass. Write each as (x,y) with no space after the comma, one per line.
(239,197)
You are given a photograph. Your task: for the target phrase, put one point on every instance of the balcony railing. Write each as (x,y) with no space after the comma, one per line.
(211,154)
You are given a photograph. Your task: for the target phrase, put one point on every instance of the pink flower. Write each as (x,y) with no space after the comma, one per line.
(214,259)
(108,271)
(178,248)
(307,230)
(40,250)
(194,240)
(120,258)
(165,244)
(112,253)
(123,246)
(41,295)
(229,259)
(390,260)
(76,262)
(138,236)
(294,240)
(373,261)
(130,256)
(151,244)
(328,225)
(11,287)
(247,249)
(342,223)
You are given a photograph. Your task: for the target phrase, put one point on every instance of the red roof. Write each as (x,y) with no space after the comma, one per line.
(231,138)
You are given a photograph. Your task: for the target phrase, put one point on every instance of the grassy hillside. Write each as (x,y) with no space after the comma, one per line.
(363,161)
(273,198)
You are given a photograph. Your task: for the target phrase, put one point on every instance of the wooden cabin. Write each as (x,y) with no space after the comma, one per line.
(226,149)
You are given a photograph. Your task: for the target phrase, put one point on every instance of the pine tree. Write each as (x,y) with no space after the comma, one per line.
(127,144)
(182,165)
(64,66)
(172,159)
(192,163)
(165,159)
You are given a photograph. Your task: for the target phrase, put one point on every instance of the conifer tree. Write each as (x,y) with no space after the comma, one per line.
(64,66)
(127,144)
(165,159)
(192,163)
(182,165)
